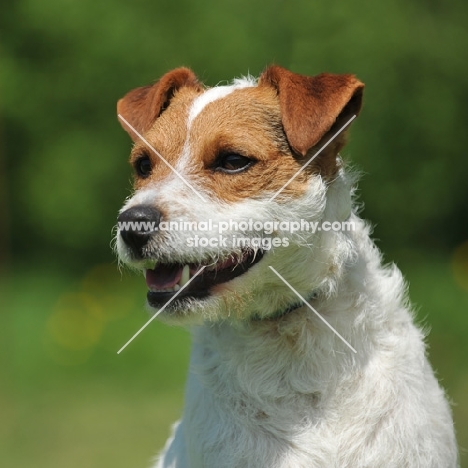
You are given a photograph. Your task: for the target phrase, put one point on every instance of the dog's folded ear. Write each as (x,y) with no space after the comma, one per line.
(142,106)
(313,106)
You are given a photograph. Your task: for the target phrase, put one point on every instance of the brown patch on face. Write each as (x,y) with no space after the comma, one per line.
(246,122)
(280,125)
(167,137)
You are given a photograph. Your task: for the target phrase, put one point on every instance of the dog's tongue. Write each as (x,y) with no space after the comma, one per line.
(163,276)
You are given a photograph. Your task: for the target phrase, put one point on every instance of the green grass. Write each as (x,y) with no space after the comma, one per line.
(68,400)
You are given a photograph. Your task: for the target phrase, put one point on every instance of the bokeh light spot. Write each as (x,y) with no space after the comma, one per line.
(460,265)
(76,321)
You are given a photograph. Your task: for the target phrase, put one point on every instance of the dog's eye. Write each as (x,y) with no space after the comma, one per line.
(143,166)
(233,162)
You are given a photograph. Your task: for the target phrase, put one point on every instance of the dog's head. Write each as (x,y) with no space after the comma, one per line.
(220,176)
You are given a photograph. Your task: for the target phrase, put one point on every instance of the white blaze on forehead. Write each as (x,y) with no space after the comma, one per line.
(213,94)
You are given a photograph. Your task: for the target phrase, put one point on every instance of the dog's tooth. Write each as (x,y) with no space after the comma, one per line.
(176,287)
(185,276)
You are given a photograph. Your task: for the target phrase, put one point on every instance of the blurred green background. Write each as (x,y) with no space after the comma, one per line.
(66,398)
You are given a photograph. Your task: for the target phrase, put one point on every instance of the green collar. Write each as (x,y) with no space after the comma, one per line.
(281,313)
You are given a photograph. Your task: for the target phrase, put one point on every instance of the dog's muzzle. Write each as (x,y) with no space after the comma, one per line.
(136,226)
(165,277)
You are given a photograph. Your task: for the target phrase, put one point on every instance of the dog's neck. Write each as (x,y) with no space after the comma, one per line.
(283,362)
(280,376)
(283,355)
(287,310)
(267,359)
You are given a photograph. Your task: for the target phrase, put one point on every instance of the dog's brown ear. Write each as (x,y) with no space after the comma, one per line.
(142,106)
(312,106)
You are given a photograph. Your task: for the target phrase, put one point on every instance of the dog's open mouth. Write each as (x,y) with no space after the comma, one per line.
(166,279)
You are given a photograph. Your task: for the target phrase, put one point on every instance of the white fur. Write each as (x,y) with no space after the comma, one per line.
(213,94)
(197,107)
(288,393)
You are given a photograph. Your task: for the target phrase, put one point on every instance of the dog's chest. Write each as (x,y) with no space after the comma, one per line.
(235,430)
(241,410)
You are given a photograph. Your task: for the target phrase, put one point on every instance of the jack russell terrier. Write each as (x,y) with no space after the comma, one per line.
(305,353)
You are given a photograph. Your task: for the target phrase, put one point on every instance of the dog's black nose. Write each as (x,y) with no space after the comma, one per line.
(136,225)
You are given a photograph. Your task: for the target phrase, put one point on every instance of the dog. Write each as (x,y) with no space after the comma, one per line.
(305,352)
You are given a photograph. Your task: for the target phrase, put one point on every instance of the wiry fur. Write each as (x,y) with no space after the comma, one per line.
(289,393)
